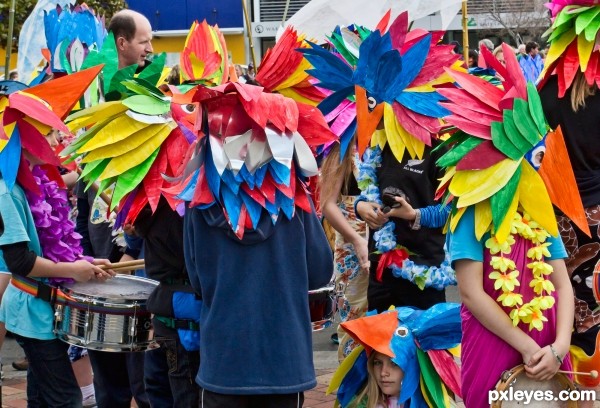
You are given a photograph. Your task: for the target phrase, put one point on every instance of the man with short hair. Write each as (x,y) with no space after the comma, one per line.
(133,37)
(531,63)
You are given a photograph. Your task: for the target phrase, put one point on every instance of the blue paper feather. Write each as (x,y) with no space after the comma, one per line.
(10,157)
(354,380)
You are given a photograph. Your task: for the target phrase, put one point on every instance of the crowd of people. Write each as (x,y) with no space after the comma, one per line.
(432,171)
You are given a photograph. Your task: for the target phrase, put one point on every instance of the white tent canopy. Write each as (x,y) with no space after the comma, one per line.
(318,18)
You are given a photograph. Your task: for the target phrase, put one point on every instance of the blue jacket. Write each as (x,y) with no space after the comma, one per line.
(255,329)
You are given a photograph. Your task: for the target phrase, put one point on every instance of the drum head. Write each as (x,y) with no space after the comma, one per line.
(120,287)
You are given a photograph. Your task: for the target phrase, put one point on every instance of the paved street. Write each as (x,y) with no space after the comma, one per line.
(325,359)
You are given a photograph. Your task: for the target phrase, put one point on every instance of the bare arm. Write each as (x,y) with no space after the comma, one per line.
(544,363)
(336,218)
(81,271)
(469,275)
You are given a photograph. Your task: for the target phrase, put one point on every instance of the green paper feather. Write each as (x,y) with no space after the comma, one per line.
(555,33)
(107,56)
(140,86)
(513,134)
(431,383)
(66,65)
(503,143)
(92,171)
(127,181)
(338,43)
(458,152)
(500,202)
(535,109)
(457,137)
(147,105)
(118,78)
(104,184)
(592,29)
(585,18)
(525,123)
(153,72)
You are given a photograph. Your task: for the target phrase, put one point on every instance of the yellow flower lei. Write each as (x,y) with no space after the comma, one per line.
(505,273)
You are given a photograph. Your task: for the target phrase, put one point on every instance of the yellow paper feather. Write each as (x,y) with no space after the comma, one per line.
(535,200)
(116,130)
(379,139)
(126,145)
(290,93)
(392,134)
(41,127)
(342,370)
(483,218)
(3,103)
(455,219)
(584,49)
(94,114)
(558,48)
(503,230)
(121,164)
(474,186)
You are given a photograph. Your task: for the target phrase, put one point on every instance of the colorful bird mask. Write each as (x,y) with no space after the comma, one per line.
(417,341)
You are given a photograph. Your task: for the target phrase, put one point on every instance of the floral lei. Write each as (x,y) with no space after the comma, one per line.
(505,273)
(50,210)
(395,256)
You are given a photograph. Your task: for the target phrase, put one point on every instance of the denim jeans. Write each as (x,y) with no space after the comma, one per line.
(171,361)
(50,378)
(117,378)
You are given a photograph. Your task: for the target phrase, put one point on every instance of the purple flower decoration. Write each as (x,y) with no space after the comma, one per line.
(50,210)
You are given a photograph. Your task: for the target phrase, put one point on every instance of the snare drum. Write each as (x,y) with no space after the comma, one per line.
(107,316)
(518,380)
(321,303)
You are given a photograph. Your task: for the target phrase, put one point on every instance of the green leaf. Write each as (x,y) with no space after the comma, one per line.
(524,122)
(503,143)
(459,151)
(535,109)
(129,180)
(500,202)
(147,105)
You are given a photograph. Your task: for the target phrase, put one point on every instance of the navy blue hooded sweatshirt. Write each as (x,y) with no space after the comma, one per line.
(255,329)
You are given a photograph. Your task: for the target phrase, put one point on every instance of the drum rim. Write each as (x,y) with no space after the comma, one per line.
(509,376)
(71,290)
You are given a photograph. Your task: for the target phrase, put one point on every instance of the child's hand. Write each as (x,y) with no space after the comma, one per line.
(105,273)
(371,214)
(405,211)
(543,365)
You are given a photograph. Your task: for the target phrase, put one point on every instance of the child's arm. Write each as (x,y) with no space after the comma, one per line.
(337,220)
(469,275)
(545,363)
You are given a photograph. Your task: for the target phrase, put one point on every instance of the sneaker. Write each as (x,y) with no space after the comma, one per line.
(90,402)
(21,365)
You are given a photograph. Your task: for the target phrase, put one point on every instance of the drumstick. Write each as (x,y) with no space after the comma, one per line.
(593,373)
(135,264)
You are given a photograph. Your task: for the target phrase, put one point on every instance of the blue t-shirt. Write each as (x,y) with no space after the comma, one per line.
(463,244)
(22,313)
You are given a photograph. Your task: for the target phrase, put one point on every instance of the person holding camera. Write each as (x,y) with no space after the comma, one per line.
(406,242)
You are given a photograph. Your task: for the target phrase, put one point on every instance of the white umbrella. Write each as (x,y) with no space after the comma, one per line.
(318,18)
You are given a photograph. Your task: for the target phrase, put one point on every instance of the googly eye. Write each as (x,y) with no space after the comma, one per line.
(372,103)
(402,331)
(189,108)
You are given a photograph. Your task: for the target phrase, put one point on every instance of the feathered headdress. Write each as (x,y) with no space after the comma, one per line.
(574,42)
(491,163)
(418,342)
(390,74)
(27,116)
(70,34)
(204,58)
(283,70)
(253,147)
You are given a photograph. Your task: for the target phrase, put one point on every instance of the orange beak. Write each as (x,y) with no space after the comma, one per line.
(558,176)
(374,332)
(367,121)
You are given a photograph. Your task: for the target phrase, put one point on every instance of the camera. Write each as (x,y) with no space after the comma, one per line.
(388,198)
